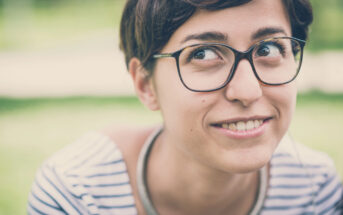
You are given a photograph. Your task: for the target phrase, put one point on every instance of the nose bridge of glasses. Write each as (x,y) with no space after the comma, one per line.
(239,56)
(244,85)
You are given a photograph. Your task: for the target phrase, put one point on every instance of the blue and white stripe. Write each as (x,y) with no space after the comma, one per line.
(87,177)
(90,177)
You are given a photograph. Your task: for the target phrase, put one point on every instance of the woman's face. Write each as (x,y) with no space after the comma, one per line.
(198,123)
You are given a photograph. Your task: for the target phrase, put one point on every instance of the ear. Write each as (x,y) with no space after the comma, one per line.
(143,84)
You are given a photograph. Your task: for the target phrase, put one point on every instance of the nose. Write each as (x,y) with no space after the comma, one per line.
(244,86)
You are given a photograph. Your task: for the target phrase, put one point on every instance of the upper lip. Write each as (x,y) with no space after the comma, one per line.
(237,119)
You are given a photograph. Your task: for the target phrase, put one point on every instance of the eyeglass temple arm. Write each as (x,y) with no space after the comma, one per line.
(162,55)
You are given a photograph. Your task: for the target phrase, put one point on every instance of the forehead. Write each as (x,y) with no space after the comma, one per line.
(238,24)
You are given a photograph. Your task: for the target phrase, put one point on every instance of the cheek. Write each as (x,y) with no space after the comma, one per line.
(179,106)
(283,99)
(183,111)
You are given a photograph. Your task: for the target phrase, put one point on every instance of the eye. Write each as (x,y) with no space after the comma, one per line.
(270,49)
(204,54)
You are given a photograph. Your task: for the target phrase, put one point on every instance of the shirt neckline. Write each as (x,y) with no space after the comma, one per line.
(143,191)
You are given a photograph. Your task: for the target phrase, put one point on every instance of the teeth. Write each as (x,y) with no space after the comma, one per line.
(232,126)
(250,125)
(257,123)
(242,125)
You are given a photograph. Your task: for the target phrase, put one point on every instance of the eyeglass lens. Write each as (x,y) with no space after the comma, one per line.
(206,67)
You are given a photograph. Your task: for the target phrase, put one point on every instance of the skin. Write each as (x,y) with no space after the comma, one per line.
(193,168)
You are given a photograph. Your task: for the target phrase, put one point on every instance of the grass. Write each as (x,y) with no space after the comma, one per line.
(32,129)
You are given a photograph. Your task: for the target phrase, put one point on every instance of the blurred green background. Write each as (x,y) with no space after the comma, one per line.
(31,129)
(35,23)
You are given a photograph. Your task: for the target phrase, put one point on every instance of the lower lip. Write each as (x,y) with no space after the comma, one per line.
(256,132)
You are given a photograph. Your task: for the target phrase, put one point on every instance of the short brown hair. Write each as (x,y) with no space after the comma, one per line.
(147,25)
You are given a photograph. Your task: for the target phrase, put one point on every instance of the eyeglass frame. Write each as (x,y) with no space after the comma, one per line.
(238,57)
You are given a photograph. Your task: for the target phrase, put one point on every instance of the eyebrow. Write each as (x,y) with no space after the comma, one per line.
(267,31)
(207,36)
(221,37)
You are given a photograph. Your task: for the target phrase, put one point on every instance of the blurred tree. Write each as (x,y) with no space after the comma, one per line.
(327,30)
(16,17)
(48,3)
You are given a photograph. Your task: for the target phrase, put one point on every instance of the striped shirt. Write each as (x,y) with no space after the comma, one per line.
(90,177)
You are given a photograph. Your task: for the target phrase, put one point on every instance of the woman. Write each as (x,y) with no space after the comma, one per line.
(222,74)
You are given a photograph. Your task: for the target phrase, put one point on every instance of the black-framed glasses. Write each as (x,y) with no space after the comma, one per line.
(211,66)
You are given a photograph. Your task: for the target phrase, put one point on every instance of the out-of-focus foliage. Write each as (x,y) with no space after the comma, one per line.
(31,24)
(47,18)
(327,29)
(43,17)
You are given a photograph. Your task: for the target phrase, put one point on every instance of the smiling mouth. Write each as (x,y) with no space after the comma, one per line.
(242,125)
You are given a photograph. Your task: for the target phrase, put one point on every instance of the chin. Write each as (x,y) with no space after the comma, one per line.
(248,160)
(248,167)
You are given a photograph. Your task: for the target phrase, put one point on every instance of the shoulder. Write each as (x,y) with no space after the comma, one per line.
(92,149)
(88,176)
(129,140)
(306,178)
(293,155)
(96,150)
(297,154)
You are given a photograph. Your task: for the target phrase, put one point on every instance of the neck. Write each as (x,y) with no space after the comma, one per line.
(180,185)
